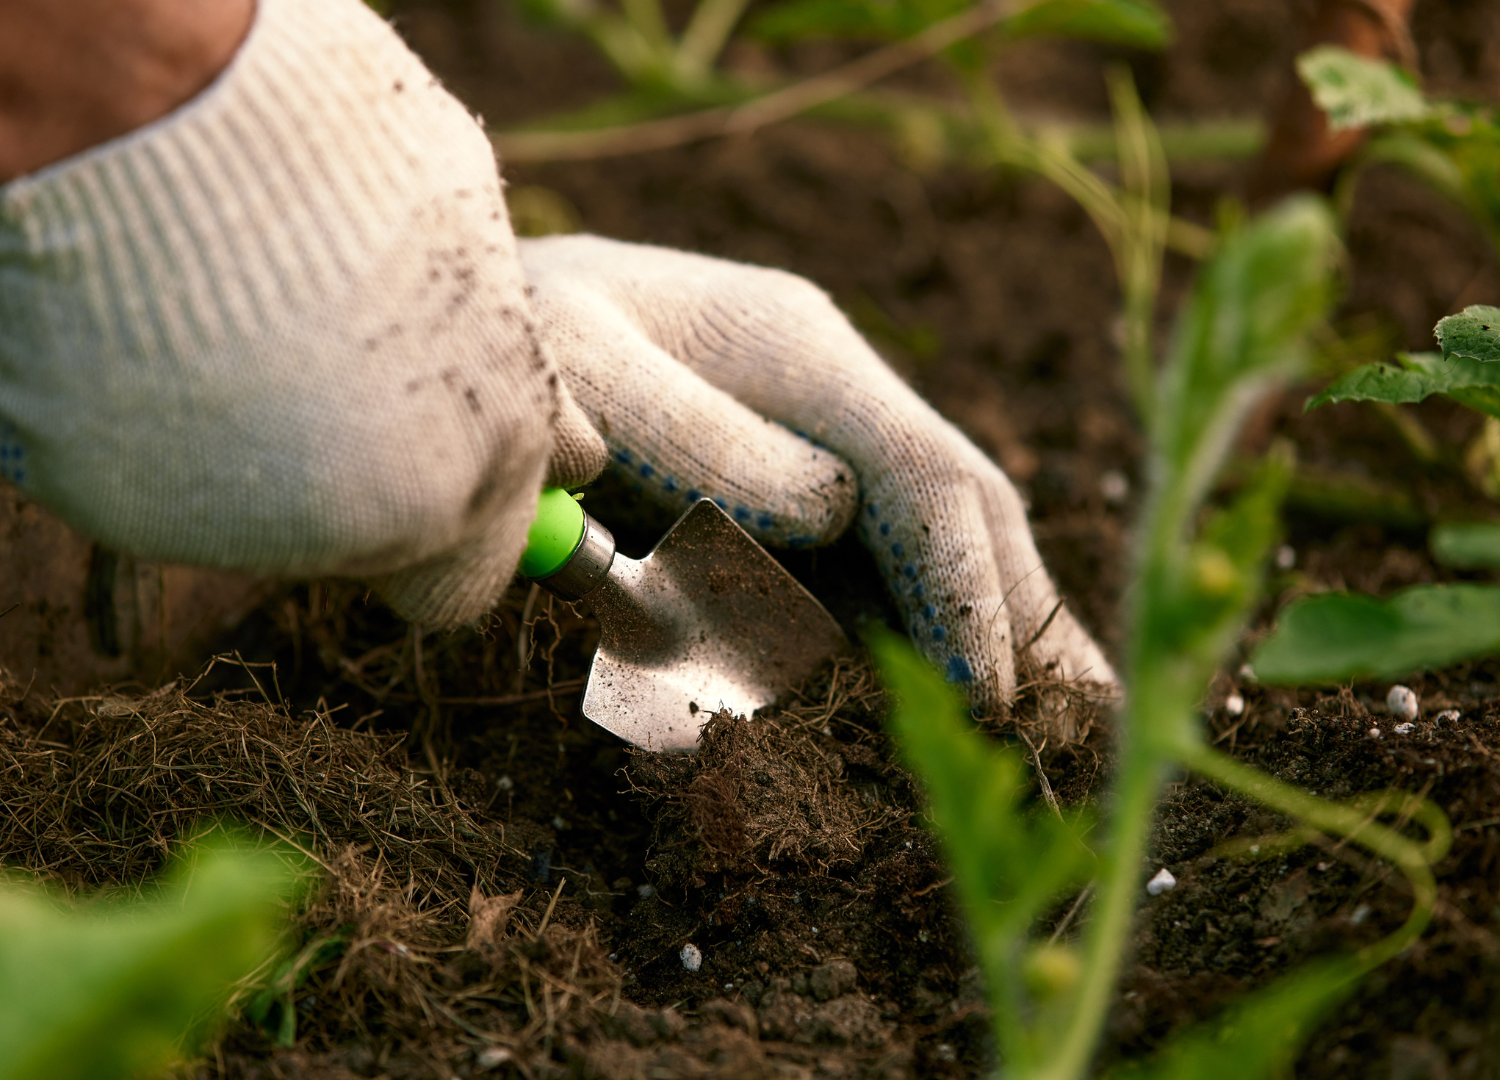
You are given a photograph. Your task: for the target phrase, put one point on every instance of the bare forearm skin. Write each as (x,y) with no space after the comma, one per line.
(77,73)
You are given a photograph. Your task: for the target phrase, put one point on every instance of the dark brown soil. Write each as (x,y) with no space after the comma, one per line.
(510,891)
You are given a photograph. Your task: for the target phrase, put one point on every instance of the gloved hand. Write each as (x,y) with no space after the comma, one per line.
(747,385)
(284,329)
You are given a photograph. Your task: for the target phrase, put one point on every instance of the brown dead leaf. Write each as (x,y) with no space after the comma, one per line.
(488,917)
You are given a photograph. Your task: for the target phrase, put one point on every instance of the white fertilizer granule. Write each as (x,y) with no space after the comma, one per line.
(1401,703)
(1162,882)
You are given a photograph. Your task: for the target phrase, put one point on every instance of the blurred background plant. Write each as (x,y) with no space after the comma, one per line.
(678,92)
(678,88)
(120,988)
(1454,147)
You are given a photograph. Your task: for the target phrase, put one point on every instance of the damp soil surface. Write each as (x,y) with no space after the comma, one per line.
(509,891)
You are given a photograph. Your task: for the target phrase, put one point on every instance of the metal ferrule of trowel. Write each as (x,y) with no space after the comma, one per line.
(707,621)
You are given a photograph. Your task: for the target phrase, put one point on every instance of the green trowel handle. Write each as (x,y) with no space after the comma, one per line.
(568,553)
(554,535)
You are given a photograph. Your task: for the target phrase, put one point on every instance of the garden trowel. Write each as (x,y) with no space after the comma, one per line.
(707,621)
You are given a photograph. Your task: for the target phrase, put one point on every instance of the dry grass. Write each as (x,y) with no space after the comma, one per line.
(426,948)
(99,790)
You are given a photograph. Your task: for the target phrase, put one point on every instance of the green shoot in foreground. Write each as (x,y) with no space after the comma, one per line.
(119,990)
(1195,580)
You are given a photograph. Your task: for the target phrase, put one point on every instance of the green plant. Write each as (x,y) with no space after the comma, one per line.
(120,989)
(1339,636)
(1196,577)
(1455,147)
(677,90)
(274,1006)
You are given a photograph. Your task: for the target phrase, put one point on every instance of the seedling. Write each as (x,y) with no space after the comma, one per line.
(1196,576)
(1243,331)
(1455,147)
(1340,636)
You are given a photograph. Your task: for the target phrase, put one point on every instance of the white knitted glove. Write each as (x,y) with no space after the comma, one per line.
(284,329)
(683,363)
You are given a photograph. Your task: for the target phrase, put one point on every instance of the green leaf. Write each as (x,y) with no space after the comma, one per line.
(1334,637)
(1200,601)
(1244,328)
(289,978)
(1474,333)
(1260,1035)
(113,990)
(1377,382)
(1007,864)
(1420,375)
(1469,545)
(1140,24)
(1358,92)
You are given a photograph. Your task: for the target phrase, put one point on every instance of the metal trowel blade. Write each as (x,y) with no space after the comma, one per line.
(707,621)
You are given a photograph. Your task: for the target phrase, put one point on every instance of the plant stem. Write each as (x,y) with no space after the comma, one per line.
(647,18)
(1354,823)
(1141,774)
(1145,205)
(778,105)
(712,23)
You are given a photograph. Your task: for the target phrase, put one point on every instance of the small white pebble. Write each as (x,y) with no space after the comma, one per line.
(492,1057)
(1162,882)
(559,824)
(1234,705)
(692,957)
(1404,728)
(1374,733)
(645,892)
(1360,914)
(1247,673)
(1286,557)
(1447,716)
(505,783)
(1401,703)
(828,731)
(729,986)
(1115,487)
